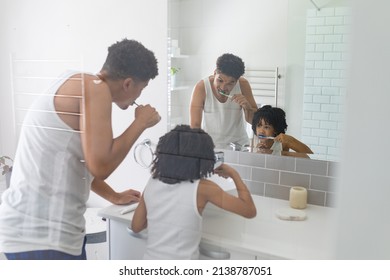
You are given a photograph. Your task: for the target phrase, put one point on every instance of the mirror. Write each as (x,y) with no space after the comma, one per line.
(307,45)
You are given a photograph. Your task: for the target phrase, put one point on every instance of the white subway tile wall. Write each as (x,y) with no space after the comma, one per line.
(326,57)
(273,176)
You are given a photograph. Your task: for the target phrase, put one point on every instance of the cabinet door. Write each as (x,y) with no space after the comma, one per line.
(219,252)
(123,246)
(263,256)
(239,255)
(98,251)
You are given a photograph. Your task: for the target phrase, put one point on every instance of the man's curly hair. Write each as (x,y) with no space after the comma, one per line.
(183,154)
(129,58)
(231,65)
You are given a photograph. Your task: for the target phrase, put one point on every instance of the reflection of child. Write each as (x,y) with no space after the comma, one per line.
(177,192)
(269,122)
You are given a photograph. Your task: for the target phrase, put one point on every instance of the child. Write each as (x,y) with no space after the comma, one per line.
(270,122)
(176,194)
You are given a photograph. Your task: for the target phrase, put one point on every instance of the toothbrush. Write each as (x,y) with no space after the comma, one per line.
(265,137)
(221,92)
(135,104)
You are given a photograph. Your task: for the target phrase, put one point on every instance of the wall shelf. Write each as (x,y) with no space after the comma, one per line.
(180,88)
(180,56)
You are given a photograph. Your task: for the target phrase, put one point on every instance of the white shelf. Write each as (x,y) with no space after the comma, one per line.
(180,56)
(180,88)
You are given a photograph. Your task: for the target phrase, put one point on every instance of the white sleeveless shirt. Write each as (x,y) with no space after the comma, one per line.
(174,223)
(44,206)
(224,122)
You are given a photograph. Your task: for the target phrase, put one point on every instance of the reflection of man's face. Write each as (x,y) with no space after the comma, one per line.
(224,83)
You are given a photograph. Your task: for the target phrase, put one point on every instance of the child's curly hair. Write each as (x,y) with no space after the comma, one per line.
(271,115)
(183,154)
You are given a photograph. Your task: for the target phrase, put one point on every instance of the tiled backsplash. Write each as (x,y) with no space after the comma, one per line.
(273,176)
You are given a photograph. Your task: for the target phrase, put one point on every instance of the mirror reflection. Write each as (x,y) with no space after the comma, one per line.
(269,125)
(308,47)
(223,104)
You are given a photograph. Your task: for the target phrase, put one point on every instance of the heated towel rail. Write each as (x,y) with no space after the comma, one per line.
(264,84)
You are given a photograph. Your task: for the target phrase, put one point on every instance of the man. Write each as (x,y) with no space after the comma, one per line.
(223,103)
(66,148)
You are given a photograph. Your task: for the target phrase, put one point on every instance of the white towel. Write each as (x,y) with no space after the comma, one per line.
(277,148)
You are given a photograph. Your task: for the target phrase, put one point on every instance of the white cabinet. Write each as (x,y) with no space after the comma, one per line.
(209,251)
(96,233)
(98,251)
(123,246)
(241,255)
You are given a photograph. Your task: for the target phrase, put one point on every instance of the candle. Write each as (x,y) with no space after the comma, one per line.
(298,197)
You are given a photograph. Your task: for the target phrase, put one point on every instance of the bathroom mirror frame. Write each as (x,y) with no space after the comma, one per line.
(292,23)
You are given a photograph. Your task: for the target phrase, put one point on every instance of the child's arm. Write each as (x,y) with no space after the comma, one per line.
(139,221)
(289,142)
(209,191)
(294,154)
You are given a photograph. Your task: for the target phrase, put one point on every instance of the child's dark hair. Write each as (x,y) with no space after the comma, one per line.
(271,115)
(231,65)
(129,58)
(183,154)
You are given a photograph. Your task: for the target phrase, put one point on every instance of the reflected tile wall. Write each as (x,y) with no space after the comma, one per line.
(273,176)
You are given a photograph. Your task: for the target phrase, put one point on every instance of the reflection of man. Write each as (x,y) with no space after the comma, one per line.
(222,102)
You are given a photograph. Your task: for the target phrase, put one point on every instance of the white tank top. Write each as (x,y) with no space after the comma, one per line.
(224,122)
(44,206)
(174,223)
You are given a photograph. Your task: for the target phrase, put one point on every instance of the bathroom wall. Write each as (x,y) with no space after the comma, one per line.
(43,31)
(363,228)
(326,61)
(273,176)
(296,52)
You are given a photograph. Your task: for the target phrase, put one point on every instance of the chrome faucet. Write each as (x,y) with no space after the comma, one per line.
(239,147)
(235,146)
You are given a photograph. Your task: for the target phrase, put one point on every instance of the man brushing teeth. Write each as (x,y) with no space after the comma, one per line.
(209,109)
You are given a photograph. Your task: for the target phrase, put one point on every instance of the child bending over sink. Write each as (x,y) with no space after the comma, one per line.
(176,194)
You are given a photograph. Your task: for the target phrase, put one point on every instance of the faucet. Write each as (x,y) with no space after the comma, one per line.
(219,159)
(235,146)
(239,147)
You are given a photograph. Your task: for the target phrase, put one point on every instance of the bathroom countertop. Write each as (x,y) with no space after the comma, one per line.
(266,235)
